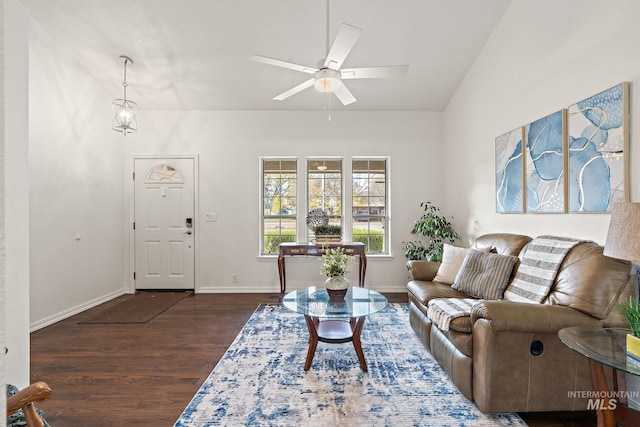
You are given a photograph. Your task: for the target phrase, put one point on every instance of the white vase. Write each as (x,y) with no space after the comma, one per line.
(336,287)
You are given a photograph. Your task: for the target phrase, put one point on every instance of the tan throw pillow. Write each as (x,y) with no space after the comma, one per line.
(452,258)
(484,275)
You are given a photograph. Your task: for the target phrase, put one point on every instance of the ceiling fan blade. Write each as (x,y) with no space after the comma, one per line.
(293,91)
(344,95)
(283,64)
(374,72)
(342,45)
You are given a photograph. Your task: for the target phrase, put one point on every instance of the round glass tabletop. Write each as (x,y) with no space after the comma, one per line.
(603,345)
(314,301)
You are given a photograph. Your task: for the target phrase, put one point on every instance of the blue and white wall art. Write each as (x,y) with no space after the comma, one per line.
(598,143)
(509,182)
(544,164)
(574,160)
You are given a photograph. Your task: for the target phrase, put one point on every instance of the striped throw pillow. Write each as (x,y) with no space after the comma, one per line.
(484,275)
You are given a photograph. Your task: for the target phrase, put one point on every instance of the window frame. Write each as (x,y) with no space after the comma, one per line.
(341,214)
(261,235)
(302,199)
(385,218)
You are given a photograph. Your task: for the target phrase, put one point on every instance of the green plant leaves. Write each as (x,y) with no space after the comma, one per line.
(436,228)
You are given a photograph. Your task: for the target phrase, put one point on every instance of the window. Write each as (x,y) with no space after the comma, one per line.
(364,215)
(164,173)
(324,188)
(279,203)
(369,204)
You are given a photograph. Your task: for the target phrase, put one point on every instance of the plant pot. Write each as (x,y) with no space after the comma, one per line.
(633,349)
(336,288)
(328,238)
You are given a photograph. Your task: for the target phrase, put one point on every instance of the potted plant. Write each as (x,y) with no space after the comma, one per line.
(334,266)
(328,233)
(437,228)
(630,309)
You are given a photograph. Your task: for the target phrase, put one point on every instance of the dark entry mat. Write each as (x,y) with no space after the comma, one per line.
(143,307)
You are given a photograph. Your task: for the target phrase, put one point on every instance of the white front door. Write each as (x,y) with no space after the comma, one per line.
(164,223)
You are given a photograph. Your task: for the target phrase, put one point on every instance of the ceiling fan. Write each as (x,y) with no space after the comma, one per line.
(328,76)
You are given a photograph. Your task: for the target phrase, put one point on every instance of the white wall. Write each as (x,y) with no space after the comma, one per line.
(229,145)
(76,185)
(543,56)
(3,323)
(16,193)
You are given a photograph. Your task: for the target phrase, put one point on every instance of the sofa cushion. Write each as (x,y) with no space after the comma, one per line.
(442,311)
(537,271)
(461,324)
(590,282)
(424,291)
(502,243)
(484,275)
(452,259)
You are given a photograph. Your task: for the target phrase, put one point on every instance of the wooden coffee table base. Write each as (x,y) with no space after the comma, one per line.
(335,332)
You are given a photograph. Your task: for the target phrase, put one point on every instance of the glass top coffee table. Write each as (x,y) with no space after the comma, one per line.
(605,346)
(334,322)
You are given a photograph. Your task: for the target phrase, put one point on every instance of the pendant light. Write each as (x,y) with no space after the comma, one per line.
(124,110)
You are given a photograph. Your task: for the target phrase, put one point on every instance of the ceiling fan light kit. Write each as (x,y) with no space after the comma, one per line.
(328,76)
(327,80)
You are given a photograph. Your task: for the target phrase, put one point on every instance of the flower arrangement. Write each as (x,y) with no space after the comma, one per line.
(335,261)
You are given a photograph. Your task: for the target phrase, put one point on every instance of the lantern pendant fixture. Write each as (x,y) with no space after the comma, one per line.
(124,110)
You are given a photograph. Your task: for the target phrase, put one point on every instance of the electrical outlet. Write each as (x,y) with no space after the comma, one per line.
(235,278)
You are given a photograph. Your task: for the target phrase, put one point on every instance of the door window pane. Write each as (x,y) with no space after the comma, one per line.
(164,174)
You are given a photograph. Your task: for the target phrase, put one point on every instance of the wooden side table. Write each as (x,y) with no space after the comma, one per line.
(305,249)
(605,346)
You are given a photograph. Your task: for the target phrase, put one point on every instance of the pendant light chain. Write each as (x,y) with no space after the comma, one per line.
(124,82)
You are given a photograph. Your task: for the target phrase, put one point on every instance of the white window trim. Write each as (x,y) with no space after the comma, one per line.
(387,159)
(306,194)
(261,161)
(347,202)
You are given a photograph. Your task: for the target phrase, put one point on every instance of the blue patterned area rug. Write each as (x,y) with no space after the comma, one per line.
(260,381)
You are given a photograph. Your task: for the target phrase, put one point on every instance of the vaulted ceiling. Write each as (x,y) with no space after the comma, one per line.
(194,54)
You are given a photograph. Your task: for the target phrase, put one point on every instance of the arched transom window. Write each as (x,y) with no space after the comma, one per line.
(163,174)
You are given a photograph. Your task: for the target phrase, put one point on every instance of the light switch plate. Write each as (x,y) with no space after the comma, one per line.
(211,217)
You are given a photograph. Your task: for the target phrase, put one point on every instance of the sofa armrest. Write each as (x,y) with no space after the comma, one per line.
(422,270)
(525,317)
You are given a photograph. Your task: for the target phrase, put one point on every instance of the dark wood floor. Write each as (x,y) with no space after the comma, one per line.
(146,374)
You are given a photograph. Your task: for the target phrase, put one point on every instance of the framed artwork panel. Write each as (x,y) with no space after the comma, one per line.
(598,151)
(545,161)
(510,197)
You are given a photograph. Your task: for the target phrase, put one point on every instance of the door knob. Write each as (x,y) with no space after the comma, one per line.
(188,232)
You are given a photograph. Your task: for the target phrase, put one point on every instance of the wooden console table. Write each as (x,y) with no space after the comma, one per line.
(305,249)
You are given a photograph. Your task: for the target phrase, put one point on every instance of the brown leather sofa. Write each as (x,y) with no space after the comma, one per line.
(506,356)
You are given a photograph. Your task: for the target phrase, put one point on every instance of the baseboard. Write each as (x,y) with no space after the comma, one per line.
(75,310)
(236,290)
(231,289)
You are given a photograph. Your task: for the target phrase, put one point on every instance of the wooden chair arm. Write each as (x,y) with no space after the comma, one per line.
(36,392)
